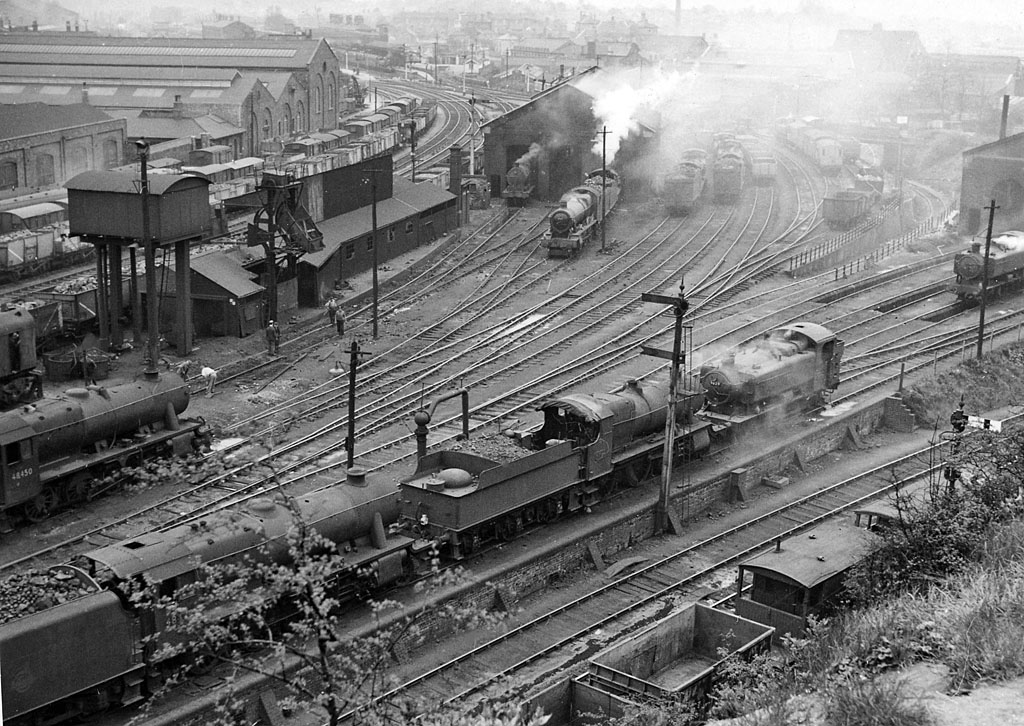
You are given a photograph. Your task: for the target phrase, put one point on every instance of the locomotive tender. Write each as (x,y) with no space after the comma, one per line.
(88,653)
(52,449)
(1005,266)
(586,447)
(581,212)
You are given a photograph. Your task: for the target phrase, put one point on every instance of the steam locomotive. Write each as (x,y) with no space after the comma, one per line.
(53,449)
(519,183)
(90,652)
(1005,267)
(729,168)
(794,364)
(685,184)
(581,212)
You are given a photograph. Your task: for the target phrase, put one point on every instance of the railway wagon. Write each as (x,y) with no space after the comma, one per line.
(586,446)
(32,217)
(1005,266)
(581,212)
(684,185)
(846,207)
(793,364)
(100,648)
(801,577)
(52,450)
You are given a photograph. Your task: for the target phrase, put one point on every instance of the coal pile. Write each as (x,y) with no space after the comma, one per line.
(35,590)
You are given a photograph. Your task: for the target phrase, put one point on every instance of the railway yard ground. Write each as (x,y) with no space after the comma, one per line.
(312,354)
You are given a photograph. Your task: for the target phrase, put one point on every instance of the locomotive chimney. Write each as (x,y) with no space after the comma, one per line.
(356,476)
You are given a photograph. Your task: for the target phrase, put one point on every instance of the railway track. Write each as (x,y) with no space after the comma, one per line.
(544,650)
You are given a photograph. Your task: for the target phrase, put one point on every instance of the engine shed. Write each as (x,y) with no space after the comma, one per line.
(553,133)
(993,171)
(801,576)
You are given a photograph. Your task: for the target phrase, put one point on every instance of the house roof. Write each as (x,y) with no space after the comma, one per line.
(992,145)
(407,201)
(27,119)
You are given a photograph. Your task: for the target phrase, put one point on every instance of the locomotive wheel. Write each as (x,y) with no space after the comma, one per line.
(38,509)
(77,489)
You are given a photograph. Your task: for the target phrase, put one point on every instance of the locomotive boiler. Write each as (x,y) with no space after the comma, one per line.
(100,648)
(1005,266)
(586,446)
(52,449)
(581,212)
(797,363)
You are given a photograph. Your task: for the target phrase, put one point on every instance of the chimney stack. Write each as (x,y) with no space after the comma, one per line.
(67,26)
(85,93)
(1005,115)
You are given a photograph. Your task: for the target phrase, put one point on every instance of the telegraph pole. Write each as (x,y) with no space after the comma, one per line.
(353,364)
(604,178)
(663,519)
(373,217)
(984,277)
(412,150)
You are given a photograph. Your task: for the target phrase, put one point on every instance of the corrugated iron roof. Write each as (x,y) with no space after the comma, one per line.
(227,273)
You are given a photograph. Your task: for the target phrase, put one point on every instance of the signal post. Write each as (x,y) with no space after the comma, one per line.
(663,520)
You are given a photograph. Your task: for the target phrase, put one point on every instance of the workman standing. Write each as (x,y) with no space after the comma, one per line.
(273,337)
(210,376)
(340,322)
(332,309)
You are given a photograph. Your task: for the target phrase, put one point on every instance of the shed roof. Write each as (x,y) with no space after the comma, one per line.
(122,183)
(813,556)
(292,52)
(227,273)
(407,201)
(35,210)
(26,119)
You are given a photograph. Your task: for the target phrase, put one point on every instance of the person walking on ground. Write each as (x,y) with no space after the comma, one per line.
(340,322)
(332,310)
(273,338)
(210,376)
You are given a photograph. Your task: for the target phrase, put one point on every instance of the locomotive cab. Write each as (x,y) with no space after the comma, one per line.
(20,461)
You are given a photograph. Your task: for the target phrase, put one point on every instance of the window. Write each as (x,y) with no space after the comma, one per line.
(317,108)
(44,170)
(369,242)
(330,97)
(350,251)
(8,175)
(110,159)
(12,452)
(391,234)
(408,226)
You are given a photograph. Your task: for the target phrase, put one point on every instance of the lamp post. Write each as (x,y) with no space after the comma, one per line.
(152,321)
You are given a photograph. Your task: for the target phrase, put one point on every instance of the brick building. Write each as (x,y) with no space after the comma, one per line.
(44,146)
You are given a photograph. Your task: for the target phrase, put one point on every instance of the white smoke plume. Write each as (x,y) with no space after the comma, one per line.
(531,154)
(623,98)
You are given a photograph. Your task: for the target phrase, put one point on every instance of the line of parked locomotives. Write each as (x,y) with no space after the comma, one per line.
(97,648)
